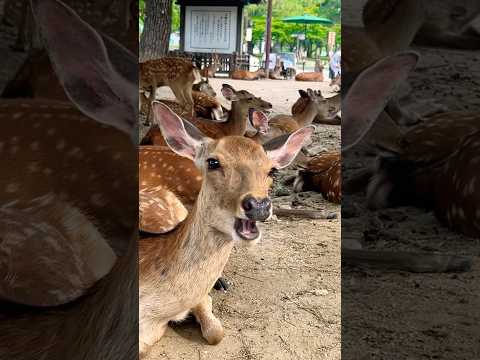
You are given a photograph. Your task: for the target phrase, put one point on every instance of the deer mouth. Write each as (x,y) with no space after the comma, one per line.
(247,229)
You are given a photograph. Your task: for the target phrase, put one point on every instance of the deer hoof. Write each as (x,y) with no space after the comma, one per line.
(221,285)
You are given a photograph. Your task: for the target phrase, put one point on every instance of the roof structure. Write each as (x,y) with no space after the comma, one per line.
(217,2)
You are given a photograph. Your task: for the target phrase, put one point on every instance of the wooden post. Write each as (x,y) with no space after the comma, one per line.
(268,39)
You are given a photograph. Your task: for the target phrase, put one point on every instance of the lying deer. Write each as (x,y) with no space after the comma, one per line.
(178,73)
(178,270)
(248,75)
(323,174)
(237,121)
(285,124)
(204,87)
(209,71)
(309,76)
(421,167)
(333,108)
(67,222)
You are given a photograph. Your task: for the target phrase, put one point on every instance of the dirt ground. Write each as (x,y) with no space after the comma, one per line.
(398,315)
(284,299)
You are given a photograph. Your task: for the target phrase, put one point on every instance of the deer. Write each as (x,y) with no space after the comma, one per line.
(334,103)
(248,75)
(237,121)
(285,124)
(418,165)
(178,73)
(20,9)
(204,87)
(322,173)
(226,212)
(68,224)
(205,103)
(336,83)
(276,74)
(309,76)
(209,71)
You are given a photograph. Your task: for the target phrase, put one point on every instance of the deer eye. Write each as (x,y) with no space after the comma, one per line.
(213,164)
(272,172)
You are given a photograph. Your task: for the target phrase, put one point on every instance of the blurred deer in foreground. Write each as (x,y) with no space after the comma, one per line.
(423,167)
(20,11)
(177,73)
(248,75)
(177,270)
(67,224)
(236,123)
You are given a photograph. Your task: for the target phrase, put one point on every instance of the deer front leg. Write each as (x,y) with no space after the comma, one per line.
(212,329)
(151,331)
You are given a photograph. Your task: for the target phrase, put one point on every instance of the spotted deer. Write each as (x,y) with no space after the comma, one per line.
(210,71)
(248,75)
(177,270)
(333,108)
(422,167)
(236,123)
(67,223)
(323,174)
(285,124)
(177,73)
(204,87)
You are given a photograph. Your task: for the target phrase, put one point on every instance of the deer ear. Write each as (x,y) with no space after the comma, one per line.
(282,153)
(303,93)
(184,143)
(81,62)
(370,93)
(229,93)
(258,120)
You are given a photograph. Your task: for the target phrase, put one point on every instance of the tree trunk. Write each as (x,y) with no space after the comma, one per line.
(156,32)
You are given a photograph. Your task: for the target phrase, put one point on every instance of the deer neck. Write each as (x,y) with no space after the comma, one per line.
(306,117)
(200,247)
(236,124)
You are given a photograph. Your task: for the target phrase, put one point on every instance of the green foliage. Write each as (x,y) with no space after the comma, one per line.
(283,33)
(175,15)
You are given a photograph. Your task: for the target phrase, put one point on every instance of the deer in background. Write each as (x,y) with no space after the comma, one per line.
(309,76)
(285,124)
(334,103)
(209,71)
(178,270)
(322,173)
(177,73)
(236,123)
(248,75)
(68,223)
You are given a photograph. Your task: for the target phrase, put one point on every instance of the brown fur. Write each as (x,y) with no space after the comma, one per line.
(333,108)
(248,75)
(235,125)
(177,73)
(322,174)
(443,155)
(189,260)
(286,124)
(309,76)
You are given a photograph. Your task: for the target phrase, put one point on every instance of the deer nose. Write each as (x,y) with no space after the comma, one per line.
(257,209)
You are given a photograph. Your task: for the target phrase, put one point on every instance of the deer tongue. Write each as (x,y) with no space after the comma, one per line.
(246,229)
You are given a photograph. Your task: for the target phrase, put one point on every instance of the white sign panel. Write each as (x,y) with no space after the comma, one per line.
(211,28)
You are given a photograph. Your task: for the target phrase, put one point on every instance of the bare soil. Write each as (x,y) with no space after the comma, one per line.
(284,298)
(398,315)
